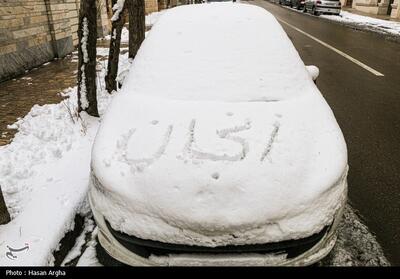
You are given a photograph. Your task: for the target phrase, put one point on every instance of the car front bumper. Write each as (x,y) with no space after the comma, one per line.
(118,251)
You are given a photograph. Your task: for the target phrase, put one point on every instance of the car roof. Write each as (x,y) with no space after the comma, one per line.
(218,52)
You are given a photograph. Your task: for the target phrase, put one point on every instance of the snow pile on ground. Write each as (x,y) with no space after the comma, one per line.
(44,175)
(223,109)
(383,26)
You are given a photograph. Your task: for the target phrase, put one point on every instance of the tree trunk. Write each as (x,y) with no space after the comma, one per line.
(118,21)
(87,33)
(4,215)
(137,25)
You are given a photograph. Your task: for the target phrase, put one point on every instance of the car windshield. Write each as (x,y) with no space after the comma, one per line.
(218,52)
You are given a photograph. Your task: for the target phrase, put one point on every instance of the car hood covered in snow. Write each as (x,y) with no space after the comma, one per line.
(219,136)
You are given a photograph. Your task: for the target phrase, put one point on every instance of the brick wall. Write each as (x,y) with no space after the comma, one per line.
(33,32)
(24,29)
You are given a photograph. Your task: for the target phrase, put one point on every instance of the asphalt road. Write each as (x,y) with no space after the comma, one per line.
(367,108)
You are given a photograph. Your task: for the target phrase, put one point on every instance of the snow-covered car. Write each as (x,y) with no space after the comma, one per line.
(298,4)
(219,149)
(285,2)
(317,7)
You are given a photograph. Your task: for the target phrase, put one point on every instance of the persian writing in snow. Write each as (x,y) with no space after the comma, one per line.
(191,149)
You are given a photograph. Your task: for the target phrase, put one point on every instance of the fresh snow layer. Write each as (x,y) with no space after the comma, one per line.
(202,40)
(44,175)
(124,35)
(385,26)
(225,140)
(42,181)
(152,18)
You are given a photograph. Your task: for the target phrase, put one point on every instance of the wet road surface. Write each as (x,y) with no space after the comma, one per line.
(39,86)
(367,108)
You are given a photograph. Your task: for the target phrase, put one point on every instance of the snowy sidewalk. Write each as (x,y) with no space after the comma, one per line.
(44,171)
(382,17)
(44,175)
(17,96)
(366,22)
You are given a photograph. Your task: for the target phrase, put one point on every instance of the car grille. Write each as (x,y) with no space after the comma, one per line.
(145,248)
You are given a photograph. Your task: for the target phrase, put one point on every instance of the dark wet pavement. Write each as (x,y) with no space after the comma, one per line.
(367,109)
(41,86)
(38,86)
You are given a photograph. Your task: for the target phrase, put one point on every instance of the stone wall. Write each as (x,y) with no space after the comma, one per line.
(395,9)
(377,7)
(151,6)
(163,4)
(25,39)
(33,32)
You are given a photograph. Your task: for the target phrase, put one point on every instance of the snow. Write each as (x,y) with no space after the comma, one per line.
(223,148)
(89,257)
(355,246)
(381,25)
(313,71)
(391,27)
(236,56)
(84,101)
(44,175)
(124,35)
(85,31)
(83,92)
(80,242)
(43,188)
(117,8)
(152,18)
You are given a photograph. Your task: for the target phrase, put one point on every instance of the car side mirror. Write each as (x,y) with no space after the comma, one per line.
(313,72)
